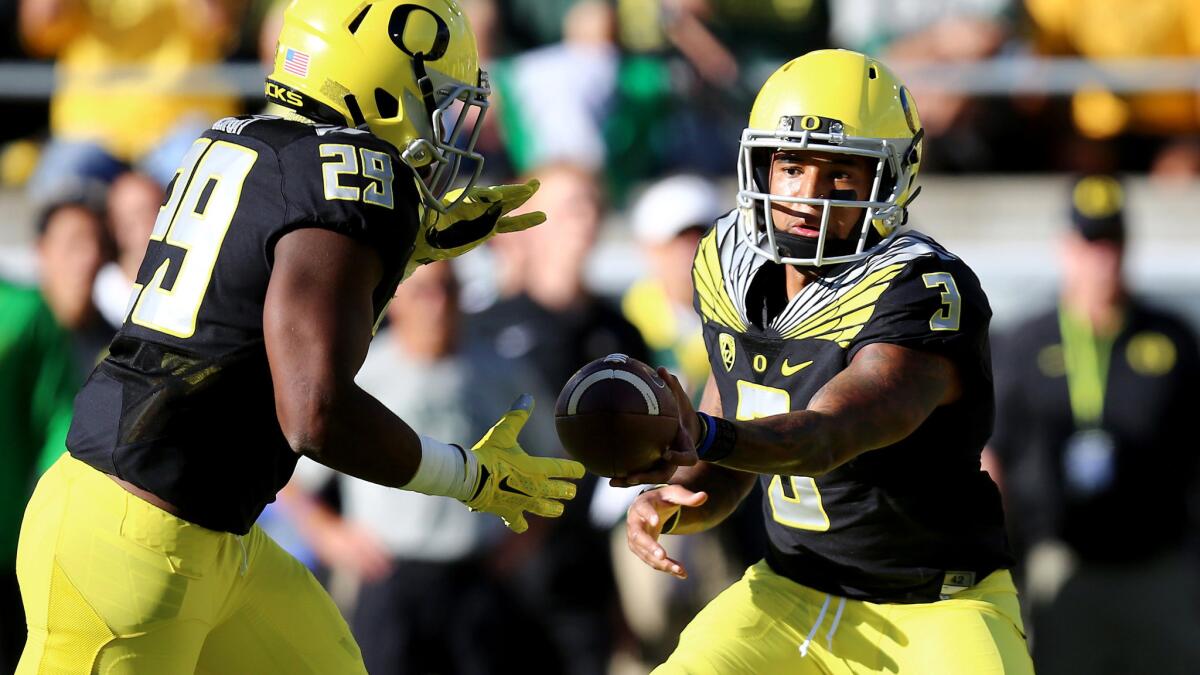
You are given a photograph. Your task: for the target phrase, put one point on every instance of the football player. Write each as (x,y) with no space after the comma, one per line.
(278,245)
(851,377)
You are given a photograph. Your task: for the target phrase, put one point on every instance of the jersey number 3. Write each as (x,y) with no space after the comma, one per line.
(203,198)
(795,500)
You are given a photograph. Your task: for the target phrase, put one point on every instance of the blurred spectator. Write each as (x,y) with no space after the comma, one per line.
(738,43)
(694,71)
(430,598)
(268,30)
(547,314)
(38,379)
(530,24)
(938,32)
(549,320)
(557,97)
(72,245)
(1117,29)
(127,96)
(668,221)
(1098,458)
(49,339)
(133,204)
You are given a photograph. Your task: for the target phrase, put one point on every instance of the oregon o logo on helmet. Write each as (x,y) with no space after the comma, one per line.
(908,113)
(810,123)
(399,22)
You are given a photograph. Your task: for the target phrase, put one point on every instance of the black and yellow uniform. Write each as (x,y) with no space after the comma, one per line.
(183,407)
(189,365)
(899,545)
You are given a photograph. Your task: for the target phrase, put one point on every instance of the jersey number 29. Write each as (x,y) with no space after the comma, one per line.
(204,196)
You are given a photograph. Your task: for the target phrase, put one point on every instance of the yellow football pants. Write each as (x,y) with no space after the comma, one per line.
(115,586)
(766,623)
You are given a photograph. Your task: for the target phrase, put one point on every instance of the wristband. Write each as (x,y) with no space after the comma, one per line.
(445,470)
(719,439)
(708,436)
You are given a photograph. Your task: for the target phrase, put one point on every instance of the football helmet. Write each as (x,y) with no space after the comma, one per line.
(406,70)
(834,101)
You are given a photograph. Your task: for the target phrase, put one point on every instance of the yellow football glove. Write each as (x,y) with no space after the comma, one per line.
(472,221)
(512,482)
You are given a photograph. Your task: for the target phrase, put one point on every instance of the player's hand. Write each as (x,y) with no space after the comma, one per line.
(512,482)
(681,451)
(644,523)
(482,214)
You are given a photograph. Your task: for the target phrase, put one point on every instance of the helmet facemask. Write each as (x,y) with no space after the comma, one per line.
(447,133)
(447,117)
(882,215)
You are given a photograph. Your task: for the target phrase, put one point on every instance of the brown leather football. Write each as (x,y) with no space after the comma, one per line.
(616,415)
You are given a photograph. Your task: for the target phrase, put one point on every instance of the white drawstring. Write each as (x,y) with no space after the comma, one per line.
(245,555)
(811,633)
(837,618)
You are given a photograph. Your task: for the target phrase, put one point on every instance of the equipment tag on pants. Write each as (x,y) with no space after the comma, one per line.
(955,582)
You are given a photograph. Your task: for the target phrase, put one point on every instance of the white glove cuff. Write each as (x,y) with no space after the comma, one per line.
(445,470)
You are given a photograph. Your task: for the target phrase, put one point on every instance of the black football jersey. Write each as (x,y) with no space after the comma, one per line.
(891,524)
(183,405)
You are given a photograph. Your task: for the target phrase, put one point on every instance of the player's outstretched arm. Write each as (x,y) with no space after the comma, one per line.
(881,398)
(885,393)
(317,323)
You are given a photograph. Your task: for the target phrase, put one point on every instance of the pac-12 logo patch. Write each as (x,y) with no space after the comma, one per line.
(728,350)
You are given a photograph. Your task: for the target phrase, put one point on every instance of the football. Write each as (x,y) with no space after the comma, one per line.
(615,416)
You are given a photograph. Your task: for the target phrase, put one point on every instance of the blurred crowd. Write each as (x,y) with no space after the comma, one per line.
(629,112)
(631,89)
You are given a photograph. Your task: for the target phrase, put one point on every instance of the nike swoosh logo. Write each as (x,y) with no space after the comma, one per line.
(503,485)
(790,370)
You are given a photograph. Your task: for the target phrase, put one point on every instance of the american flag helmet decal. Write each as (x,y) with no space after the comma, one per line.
(295,62)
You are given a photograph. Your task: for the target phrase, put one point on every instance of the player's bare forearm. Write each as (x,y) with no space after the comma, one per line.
(726,488)
(317,323)
(359,436)
(881,398)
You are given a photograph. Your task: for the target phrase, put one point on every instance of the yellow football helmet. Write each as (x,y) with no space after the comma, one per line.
(833,101)
(407,70)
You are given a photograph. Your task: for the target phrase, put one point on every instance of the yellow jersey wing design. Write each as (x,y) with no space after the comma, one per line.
(838,306)
(834,308)
(841,319)
(716,295)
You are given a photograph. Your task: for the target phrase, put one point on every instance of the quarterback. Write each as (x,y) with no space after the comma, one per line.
(279,243)
(851,377)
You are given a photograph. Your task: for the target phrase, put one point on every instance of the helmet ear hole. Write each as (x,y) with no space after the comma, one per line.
(357,21)
(388,105)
